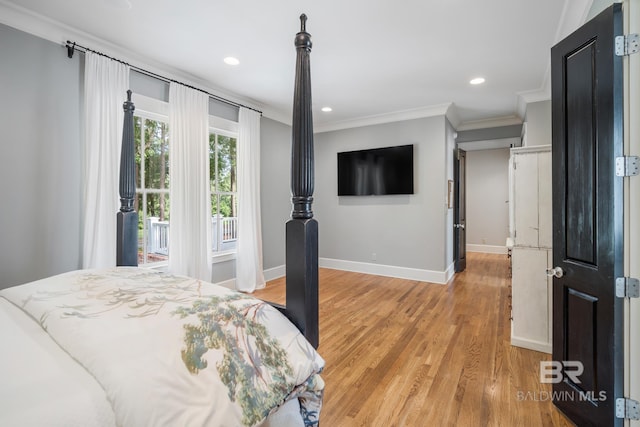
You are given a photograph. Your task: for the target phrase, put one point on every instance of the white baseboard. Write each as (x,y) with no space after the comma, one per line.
(230,284)
(440,277)
(487,249)
(451,271)
(543,347)
(274,273)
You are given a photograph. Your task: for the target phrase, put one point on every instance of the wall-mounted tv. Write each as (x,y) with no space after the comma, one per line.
(377,171)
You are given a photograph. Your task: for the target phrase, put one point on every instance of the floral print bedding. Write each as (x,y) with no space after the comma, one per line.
(171,350)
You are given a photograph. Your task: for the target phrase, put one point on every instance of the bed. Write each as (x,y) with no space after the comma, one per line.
(129,346)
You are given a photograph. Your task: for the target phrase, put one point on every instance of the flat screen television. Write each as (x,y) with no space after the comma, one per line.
(376,171)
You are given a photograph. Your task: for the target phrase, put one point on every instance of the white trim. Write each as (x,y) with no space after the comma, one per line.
(632,210)
(274,273)
(532,149)
(531,345)
(280,271)
(527,97)
(453,115)
(487,249)
(38,25)
(224,125)
(451,271)
(536,95)
(439,277)
(574,14)
(219,257)
(490,144)
(490,123)
(26,20)
(398,116)
(229,284)
(277,115)
(150,108)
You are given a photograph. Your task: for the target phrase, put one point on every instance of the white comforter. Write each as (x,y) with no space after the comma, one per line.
(174,351)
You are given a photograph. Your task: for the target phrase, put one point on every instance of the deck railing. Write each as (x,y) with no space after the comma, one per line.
(158,234)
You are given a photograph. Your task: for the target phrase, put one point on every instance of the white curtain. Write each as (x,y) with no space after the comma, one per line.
(189,191)
(249,274)
(105,85)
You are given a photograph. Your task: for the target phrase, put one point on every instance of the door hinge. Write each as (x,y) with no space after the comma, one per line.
(627,287)
(627,166)
(626,45)
(627,408)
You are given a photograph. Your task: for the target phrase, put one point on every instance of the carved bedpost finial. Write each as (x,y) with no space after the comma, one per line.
(303,23)
(128,106)
(303,39)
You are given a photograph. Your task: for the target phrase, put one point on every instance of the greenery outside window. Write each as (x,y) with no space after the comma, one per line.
(224,192)
(152,189)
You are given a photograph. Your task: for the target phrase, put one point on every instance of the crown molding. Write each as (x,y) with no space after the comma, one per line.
(491,123)
(527,97)
(397,116)
(277,115)
(453,116)
(574,14)
(46,28)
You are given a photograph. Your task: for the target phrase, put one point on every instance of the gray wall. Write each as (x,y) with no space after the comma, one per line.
(403,231)
(40,219)
(41,151)
(487,196)
(275,193)
(40,176)
(538,119)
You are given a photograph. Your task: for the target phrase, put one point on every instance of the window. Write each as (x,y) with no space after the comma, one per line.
(153,179)
(152,189)
(224,196)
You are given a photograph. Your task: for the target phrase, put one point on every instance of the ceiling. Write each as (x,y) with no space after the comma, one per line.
(371,60)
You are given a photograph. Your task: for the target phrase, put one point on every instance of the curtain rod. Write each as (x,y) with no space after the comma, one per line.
(72,46)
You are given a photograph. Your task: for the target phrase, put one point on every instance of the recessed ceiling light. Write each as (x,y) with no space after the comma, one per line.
(477,81)
(230,60)
(327,109)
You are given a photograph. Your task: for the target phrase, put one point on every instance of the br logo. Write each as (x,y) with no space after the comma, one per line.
(554,371)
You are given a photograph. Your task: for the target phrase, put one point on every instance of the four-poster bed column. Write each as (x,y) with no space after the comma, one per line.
(127,239)
(302,229)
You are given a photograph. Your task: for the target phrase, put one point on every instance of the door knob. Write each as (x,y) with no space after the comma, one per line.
(555,272)
(459,226)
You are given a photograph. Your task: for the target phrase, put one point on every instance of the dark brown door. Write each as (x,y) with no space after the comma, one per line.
(587,220)
(460,211)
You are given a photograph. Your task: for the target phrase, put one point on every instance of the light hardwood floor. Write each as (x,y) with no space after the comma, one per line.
(406,353)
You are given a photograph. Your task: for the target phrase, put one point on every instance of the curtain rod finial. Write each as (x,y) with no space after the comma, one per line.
(71,48)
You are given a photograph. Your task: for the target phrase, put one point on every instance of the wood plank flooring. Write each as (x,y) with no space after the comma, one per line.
(407,353)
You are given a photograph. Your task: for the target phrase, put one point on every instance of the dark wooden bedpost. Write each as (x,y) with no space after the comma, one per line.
(127,239)
(302,229)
